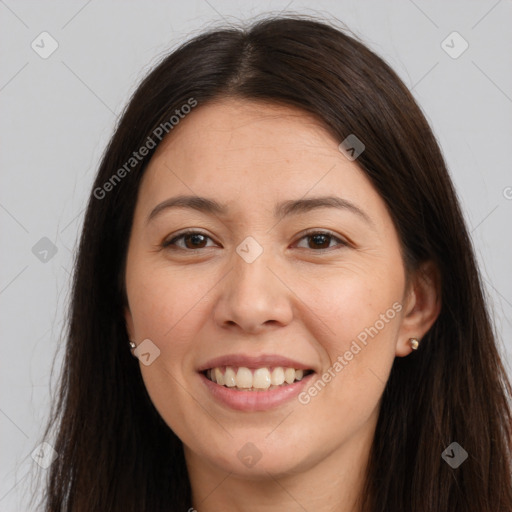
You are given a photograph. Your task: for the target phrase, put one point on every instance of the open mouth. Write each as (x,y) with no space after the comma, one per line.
(254,379)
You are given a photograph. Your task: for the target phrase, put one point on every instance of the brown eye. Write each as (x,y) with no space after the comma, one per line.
(319,240)
(194,240)
(191,239)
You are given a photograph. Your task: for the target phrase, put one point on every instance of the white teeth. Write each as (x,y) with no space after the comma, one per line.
(277,376)
(219,378)
(229,377)
(289,375)
(244,377)
(259,379)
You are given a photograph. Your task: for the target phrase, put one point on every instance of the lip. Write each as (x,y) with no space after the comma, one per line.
(253,362)
(250,401)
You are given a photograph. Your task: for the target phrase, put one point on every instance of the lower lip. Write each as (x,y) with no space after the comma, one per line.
(255,400)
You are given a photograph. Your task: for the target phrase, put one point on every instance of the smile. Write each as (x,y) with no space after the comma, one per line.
(239,390)
(255,379)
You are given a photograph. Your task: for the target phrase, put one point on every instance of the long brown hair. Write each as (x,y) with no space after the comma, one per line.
(116,452)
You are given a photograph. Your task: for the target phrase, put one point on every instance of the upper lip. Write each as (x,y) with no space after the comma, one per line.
(253,362)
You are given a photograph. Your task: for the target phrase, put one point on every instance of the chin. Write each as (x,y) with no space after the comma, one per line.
(257,460)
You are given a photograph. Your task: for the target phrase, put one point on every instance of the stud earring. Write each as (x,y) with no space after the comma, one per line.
(132,345)
(414,342)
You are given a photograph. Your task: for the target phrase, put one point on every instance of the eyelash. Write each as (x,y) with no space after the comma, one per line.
(169,243)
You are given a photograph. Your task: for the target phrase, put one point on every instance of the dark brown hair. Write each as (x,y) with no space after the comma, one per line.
(116,452)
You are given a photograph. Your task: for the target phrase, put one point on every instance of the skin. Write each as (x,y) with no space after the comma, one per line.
(295,300)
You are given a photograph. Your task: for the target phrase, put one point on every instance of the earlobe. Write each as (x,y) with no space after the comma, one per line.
(422,308)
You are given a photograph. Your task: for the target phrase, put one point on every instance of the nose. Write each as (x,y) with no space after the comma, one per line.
(254,296)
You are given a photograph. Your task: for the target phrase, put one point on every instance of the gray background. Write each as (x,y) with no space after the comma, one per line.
(58,113)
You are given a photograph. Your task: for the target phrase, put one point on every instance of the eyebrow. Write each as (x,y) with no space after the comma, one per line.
(284,209)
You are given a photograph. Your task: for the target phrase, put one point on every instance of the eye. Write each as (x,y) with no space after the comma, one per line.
(193,240)
(320,240)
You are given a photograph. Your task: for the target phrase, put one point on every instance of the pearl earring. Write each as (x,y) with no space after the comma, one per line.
(414,342)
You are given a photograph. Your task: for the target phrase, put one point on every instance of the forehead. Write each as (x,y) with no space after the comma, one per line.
(253,154)
(247,128)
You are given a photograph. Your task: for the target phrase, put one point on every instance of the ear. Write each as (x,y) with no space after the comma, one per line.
(129,322)
(422,305)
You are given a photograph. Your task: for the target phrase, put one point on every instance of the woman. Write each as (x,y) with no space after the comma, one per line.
(276,303)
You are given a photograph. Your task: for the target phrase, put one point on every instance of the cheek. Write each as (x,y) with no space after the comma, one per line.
(356,319)
(346,304)
(169,309)
(166,307)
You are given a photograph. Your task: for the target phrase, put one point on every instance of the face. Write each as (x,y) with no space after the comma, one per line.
(269,280)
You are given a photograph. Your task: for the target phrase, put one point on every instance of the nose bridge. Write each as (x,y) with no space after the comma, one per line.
(252,295)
